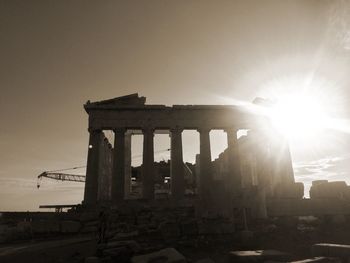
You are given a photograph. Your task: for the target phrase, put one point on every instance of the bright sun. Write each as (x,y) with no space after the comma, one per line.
(306,117)
(299,116)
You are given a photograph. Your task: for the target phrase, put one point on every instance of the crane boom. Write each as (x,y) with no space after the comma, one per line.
(61,177)
(57,175)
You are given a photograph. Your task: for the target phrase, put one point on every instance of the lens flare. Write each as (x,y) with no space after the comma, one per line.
(299,116)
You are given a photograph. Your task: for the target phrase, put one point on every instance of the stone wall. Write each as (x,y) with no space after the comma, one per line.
(260,166)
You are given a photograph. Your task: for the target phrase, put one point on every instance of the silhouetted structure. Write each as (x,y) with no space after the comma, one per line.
(251,169)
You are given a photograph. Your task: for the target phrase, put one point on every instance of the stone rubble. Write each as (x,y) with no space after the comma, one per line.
(138,232)
(331,250)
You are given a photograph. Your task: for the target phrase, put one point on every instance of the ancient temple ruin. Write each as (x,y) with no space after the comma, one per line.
(251,169)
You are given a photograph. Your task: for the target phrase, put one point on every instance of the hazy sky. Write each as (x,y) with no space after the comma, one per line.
(56,55)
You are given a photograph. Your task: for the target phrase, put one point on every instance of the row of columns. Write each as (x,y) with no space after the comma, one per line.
(122,161)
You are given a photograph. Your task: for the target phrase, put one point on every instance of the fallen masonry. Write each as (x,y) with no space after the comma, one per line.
(331,250)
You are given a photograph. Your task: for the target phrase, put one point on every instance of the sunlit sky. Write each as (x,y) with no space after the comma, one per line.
(56,55)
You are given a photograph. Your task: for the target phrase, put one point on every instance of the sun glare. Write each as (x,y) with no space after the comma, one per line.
(309,116)
(298,116)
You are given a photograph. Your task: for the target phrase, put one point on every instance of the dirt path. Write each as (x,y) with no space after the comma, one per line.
(62,250)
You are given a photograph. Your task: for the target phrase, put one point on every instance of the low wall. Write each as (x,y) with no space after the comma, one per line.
(307,207)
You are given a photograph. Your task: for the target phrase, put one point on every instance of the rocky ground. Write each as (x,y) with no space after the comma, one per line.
(131,234)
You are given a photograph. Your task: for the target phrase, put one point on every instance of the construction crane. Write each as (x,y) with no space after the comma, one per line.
(59,176)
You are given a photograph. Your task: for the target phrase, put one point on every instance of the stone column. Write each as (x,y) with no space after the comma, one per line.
(205,163)
(148,164)
(127,164)
(118,174)
(234,164)
(92,169)
(176,164)
(263,165)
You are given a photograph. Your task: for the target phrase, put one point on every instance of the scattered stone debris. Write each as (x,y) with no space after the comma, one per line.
(331,250)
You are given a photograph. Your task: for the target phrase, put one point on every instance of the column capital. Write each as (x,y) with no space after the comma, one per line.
(148,130)
(119,130)
(176,129)
(231,129)
(94,130)
(231,135)
(129,132)
(203,129)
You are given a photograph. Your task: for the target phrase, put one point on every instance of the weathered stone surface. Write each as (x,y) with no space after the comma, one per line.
(89,229)
(122,254)
(5,233)
(306,207)
(167,255)
(330,250)
(209,227)
(47,226)
(335,189)
(287,221)
(257,256)
(91,223)
(70,226)
(189,228)
(127,235)
(246,236)
(169,229)
(338,219)
(215,226)
(130,244)
(89,216)
(24,226)
(227,228)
